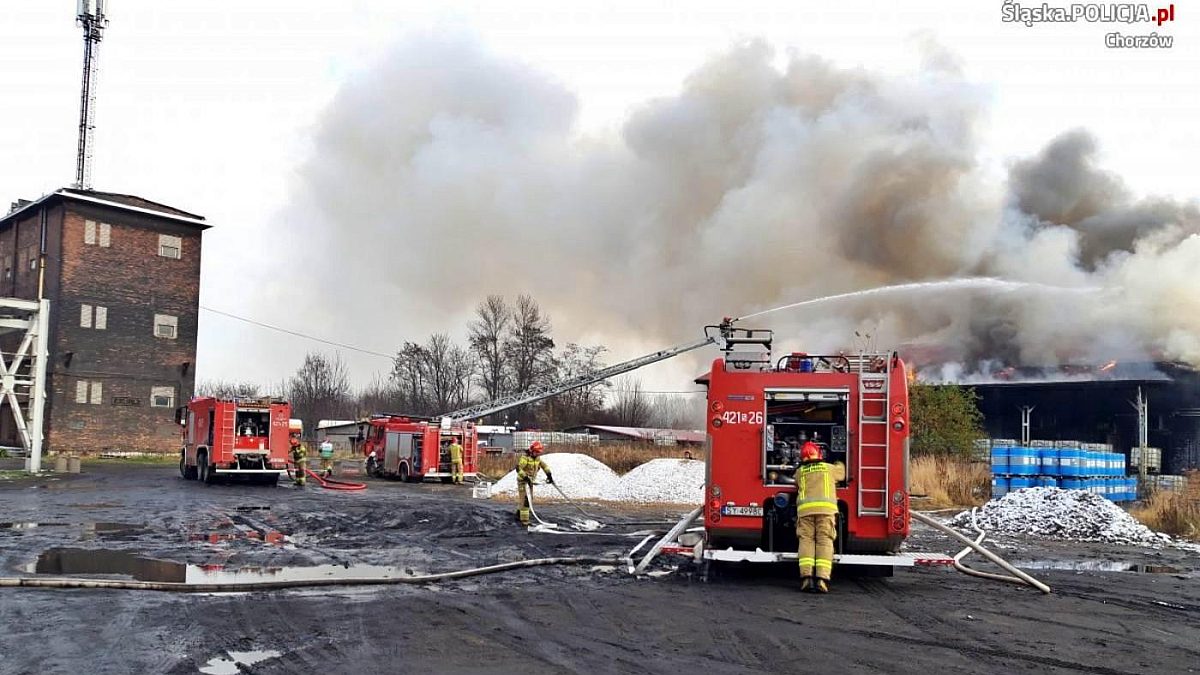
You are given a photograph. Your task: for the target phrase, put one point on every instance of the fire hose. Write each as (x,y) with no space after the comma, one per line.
(331,483)
(552,528)
(183,587)
(1018,575)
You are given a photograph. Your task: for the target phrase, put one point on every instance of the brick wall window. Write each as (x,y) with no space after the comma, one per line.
(162,397)
(166,326)
(97,233)
(89,392)
(170,247)
(93,317)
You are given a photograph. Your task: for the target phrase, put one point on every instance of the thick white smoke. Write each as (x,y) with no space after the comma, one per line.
(446,173)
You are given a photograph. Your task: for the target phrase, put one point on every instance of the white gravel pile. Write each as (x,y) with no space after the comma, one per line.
(1061,514)
(671,481)
(579,477)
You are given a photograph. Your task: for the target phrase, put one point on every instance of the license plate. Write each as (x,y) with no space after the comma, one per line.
(741,511)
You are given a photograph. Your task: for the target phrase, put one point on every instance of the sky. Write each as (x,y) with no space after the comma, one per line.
(211,107)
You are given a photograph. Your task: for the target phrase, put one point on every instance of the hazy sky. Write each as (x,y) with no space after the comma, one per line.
(209,107)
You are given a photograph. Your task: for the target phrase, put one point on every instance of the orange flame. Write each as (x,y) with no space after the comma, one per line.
(1108,366)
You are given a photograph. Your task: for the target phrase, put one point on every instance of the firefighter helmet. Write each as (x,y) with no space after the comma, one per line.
(535,448)
(811,452)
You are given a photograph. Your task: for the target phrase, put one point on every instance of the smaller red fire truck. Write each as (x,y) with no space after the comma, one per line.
(413,448)
(234,437)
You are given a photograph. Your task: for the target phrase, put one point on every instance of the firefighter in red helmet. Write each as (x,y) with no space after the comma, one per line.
(816,517)
(527,471)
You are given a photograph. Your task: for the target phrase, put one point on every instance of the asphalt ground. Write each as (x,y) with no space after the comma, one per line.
(582,619)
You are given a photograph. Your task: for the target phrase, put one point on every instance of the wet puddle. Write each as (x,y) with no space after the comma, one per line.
(87,530)
(232,666)
(78,561)
(1101,566)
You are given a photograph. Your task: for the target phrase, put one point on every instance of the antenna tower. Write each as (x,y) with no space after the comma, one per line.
(90,14)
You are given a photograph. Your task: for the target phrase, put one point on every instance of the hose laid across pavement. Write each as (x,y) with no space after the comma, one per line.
(1022,576)
(182,587)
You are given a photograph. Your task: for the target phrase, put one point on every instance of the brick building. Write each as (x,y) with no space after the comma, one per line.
(122,275)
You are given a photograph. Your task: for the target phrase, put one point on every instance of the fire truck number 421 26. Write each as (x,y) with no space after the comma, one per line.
(742,417)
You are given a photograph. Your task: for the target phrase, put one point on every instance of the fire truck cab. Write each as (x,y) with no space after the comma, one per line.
(413,449)
(760,411)
(234,437)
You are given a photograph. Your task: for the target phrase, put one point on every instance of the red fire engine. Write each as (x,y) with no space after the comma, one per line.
(234,437)
(413,449)
(855,406)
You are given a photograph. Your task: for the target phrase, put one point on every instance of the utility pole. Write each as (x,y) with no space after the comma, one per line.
(90,14)
(1142,406)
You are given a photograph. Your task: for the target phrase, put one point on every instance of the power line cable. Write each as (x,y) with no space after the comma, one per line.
(343,345)
(360,349)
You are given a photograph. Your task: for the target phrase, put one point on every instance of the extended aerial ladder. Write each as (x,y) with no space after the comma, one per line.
(723,333)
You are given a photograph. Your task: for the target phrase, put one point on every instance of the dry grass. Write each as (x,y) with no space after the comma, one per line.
(1175,513)
(620,458)
(946,482)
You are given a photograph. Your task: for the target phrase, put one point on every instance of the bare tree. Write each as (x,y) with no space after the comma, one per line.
(410,375)
(529,348)
(319,390)
(487,334)
(578,406)
(671,411)
(380,396)
(227,389)
(449,368)
(630,406)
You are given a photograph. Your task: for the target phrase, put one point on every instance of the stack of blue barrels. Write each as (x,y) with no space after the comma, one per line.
(1069,465)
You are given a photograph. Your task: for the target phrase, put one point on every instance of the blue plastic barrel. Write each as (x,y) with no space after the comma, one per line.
(1019,482)
(999,486)
(1071,484)
(1000,460)
(1131,488)
(1048,460)
(1023,461)
(1069,461)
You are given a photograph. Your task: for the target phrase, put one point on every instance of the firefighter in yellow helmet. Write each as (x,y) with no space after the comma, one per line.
(816,517)
(527,471)
(299,458)
(456,462)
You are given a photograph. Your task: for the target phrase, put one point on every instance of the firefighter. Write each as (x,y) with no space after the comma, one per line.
(326,451)
(527,471)
(456,462)
(299,458)
(816,517)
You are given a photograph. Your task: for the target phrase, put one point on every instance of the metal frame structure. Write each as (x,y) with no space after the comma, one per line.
(23,372)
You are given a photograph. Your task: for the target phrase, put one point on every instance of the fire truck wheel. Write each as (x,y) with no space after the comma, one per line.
(188,472)
(403,473)
(206,472)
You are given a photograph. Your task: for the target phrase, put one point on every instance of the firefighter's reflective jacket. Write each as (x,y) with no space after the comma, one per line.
(815,494)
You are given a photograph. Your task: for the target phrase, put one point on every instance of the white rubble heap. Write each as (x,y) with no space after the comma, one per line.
(665,481)
(1054,513)
(659,481)
(578,476)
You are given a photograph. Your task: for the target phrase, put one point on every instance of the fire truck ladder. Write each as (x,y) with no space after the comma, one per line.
(228,434)
(713,334)
(873,390)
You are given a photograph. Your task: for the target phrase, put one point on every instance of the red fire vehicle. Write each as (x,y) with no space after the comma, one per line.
(855,406)
(234,437)
(413,449)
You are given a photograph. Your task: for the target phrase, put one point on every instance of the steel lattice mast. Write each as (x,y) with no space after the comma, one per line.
(91,16)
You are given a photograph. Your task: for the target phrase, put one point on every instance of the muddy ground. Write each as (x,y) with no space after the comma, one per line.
(546,620)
